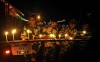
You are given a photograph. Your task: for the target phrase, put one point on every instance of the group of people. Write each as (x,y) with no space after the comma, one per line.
(52,47)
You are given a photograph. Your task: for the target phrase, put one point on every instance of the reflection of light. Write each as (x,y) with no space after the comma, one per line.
(26,20)
(22,52)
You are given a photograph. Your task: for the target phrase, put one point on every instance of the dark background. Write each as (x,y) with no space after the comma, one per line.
(62,9)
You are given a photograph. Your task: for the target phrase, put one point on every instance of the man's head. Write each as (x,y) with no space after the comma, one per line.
(53,23)
(32,20)
(72,23)
(85,26)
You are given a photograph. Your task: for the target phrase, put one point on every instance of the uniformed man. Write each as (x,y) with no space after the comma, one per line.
(85,34)
(49,50)
(68,33)
(33,33)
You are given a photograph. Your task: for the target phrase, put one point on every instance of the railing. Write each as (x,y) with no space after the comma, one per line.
(15,44)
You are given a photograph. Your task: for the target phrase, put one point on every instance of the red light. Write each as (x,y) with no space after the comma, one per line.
(7,51)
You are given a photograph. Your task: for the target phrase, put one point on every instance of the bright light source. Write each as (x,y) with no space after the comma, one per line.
(40,36)
(28,31)
(38,16)
(59,36)
(13,31)
(84,32)
(6,33)
(22,52)
(70,38)
(7,51)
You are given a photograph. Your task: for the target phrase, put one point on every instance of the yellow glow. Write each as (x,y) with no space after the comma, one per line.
(28,31)
(84,32)
(13,31)
(66,35)
(22,52)
(38,16)
(40,35)
(51,35)
(7,51)
(59,35)
(6,33)
(70,38)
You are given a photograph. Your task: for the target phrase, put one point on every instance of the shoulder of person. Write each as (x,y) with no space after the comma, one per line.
(38,26)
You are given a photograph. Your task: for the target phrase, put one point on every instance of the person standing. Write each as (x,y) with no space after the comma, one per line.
(50,46)
(69,33)
(34,31)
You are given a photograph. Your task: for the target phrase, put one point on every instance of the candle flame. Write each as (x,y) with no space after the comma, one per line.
(66,34)
(6,33)
(84,32)
(40,35)
(13,31)
(59,35)
(70,38)
(28,31)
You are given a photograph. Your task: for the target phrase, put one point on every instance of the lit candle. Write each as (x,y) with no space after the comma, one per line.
(54,36)
(66,35)
(40,36)
(59,36)
(28,31)
(84,32)
(6,33)
(70,38)
(13,32)
(51,35)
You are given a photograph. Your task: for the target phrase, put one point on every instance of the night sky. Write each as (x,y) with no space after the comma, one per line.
(63,9)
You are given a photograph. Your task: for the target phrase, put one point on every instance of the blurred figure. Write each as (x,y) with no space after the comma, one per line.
(84,50)
(34,31)
(50,50)
(85,32)
(70,33)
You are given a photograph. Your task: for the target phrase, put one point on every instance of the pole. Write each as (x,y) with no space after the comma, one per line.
(80,15)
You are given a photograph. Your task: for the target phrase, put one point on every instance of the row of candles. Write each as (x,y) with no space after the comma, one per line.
(13,32)
(52,36)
